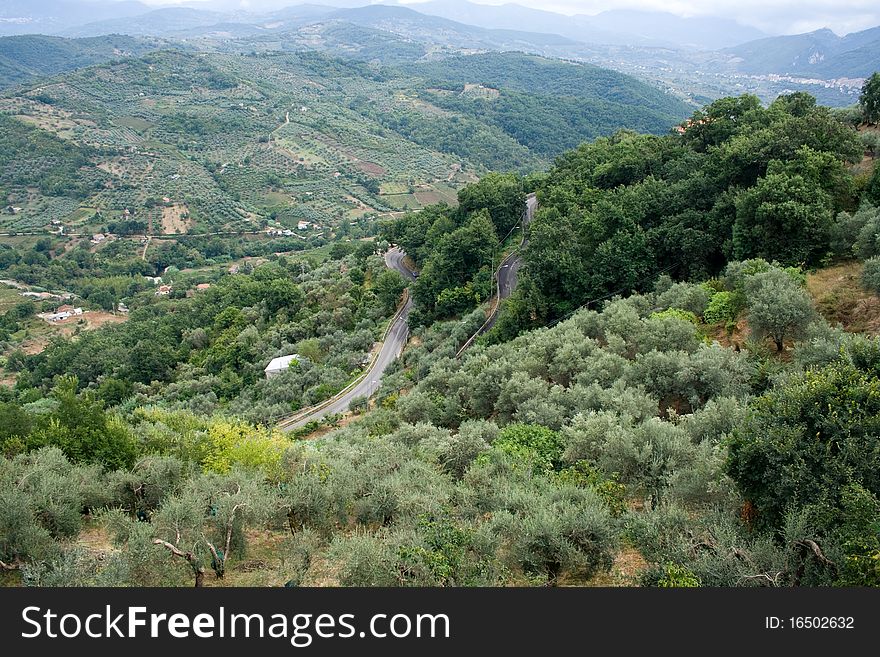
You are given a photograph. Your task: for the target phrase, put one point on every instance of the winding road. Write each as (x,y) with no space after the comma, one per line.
(507,274)
(395,340)
(398,332)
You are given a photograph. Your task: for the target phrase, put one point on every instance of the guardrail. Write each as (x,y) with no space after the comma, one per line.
(300,415)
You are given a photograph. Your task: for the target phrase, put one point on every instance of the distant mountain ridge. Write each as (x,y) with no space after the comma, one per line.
(66,18)
(620,27)
(54,16)
(190,22)
(821,54)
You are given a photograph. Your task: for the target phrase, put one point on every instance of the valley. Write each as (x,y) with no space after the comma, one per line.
(441,295)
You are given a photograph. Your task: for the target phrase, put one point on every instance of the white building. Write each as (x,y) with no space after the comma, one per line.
(62,313)
(277,365)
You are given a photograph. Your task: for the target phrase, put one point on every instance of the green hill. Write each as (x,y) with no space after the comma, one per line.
(23,58)
(247,141)
(549,105)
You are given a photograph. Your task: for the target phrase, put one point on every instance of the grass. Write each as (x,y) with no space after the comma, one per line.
(841,299)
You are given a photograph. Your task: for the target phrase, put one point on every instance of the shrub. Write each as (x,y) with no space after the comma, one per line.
(871,274)
(722,308)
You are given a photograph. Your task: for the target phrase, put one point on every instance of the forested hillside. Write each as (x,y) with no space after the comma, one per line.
(741,181)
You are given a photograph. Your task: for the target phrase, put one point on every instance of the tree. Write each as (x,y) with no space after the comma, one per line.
(778,307)
(872,191)
(388,288)
(564,530)
(784,218)
(869,101)
(502,194)
(42,495)
(83,431)
(809,438)
(205,522)
(871,274)
(458,256)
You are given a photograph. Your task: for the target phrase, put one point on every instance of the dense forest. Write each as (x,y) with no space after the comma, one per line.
(741,181)
(671,398)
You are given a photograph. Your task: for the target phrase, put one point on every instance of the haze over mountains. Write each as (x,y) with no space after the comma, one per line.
(697,58)
(819,54)
(619,27)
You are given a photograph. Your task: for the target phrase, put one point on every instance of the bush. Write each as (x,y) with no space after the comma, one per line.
(684,296)
(808,438)
(722,308)
(871,274)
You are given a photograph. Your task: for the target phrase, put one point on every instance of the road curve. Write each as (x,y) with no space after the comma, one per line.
(508,272)
(394,342)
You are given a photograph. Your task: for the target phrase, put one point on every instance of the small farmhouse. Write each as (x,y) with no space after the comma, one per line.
(277,365)
(62,313)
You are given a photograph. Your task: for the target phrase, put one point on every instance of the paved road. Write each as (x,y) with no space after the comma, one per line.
(508,272)
(390,351)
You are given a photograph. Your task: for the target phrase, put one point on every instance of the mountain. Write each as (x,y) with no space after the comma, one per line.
(619,27)
(52,16)
(191,22)
(25,57)
(416,25)
(517,17)
(160,22)
(702,33)
(821,54)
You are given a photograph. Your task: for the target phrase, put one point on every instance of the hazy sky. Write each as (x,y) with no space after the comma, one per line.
(773,16)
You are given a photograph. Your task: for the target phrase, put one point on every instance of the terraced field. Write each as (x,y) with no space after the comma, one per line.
(178,142)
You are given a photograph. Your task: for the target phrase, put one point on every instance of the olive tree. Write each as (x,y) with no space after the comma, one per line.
(871,274)
(778,307)
(206,520)
(42,497)
(562,531)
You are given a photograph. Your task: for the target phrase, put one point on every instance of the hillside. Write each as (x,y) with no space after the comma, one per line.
(619,27)
(23,58)
(415,25)
(256,141)
(548,104)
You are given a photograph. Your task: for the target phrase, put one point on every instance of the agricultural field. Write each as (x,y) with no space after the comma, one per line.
(174,142)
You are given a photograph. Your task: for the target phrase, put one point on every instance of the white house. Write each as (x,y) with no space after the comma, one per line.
(62,313)
(277,365)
